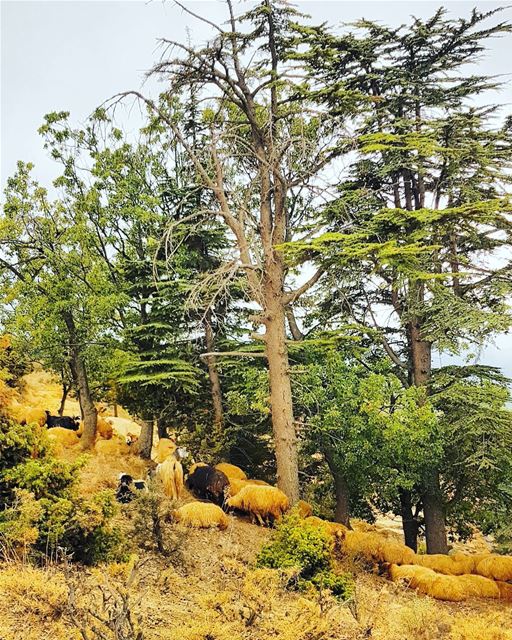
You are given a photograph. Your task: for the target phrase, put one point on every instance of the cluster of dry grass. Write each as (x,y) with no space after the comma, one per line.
(40,390)
(211,591)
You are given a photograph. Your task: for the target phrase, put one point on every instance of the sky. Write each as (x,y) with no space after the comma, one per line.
(74,55)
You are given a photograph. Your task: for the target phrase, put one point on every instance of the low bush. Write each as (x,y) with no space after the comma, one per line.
(308,550)
(41,512)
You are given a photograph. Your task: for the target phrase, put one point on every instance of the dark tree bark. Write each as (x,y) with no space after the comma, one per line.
(145,442)
(65,390)
(410,523)
(213,374)
(341,488)
(161,427)
(79,372)
(433,509)
(434,512)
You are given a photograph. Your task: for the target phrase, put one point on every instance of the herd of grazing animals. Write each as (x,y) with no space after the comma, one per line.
(225,487)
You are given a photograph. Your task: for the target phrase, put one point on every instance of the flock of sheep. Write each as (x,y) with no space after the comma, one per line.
(224,488)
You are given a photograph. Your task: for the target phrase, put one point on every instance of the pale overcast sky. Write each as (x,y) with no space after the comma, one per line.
(72,56)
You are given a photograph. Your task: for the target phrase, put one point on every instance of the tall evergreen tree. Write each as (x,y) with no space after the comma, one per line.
(420,223)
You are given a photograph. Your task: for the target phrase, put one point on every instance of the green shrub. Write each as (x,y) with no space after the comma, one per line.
(503,540)
(44,477)
(340,585)
(297,544)
(18,524)
(41,510)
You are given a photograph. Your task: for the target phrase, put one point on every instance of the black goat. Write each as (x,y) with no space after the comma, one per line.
(208,483)
(66,422)
(125,489)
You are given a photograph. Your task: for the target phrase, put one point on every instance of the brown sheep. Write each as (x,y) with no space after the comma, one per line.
(208,483)
(235,484)
(304,509)
(195,466)
(201,515)
(265,504)
(375,548)
(116,446)
(449,587)
(455,565)
(64,437)
(494,566)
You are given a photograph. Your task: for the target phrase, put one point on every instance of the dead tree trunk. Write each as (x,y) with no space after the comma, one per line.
(79,371)
(213,374)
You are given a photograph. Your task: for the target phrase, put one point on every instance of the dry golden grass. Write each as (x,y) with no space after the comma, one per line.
(212,590)
(41,390)
(215,592)
(32,603)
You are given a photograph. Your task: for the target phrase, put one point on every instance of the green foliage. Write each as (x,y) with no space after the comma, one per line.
(42,511)
(18,444)
(340,585)
(298,545)
(44,477)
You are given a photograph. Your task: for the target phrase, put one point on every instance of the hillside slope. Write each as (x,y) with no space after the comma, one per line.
(208,589)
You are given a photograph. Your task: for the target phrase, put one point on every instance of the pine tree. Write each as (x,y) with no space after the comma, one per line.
(263,148)
(420,223)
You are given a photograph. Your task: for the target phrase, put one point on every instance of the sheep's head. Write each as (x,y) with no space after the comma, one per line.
(181,453)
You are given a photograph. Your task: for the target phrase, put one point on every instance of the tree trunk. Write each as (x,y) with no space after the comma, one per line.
(433,510)
(79,372)
(410,524)
(213,373)
(342,492)
(421,356)
(161,427)
(285,438)
(342,512)
(145,441)
(65,390)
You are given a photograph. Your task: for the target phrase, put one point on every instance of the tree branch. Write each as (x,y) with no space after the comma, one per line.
(229,354)
(292,296)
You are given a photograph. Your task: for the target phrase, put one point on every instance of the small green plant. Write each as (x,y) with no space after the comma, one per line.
(150,525)
(299,545)
(340,585)
(41,510)
(503,540)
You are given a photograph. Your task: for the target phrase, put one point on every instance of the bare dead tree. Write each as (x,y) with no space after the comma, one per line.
(262,154)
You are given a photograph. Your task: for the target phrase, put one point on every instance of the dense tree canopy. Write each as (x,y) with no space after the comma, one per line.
(268,266)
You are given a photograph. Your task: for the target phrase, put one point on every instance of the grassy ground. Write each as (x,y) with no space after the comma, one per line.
(208,588)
